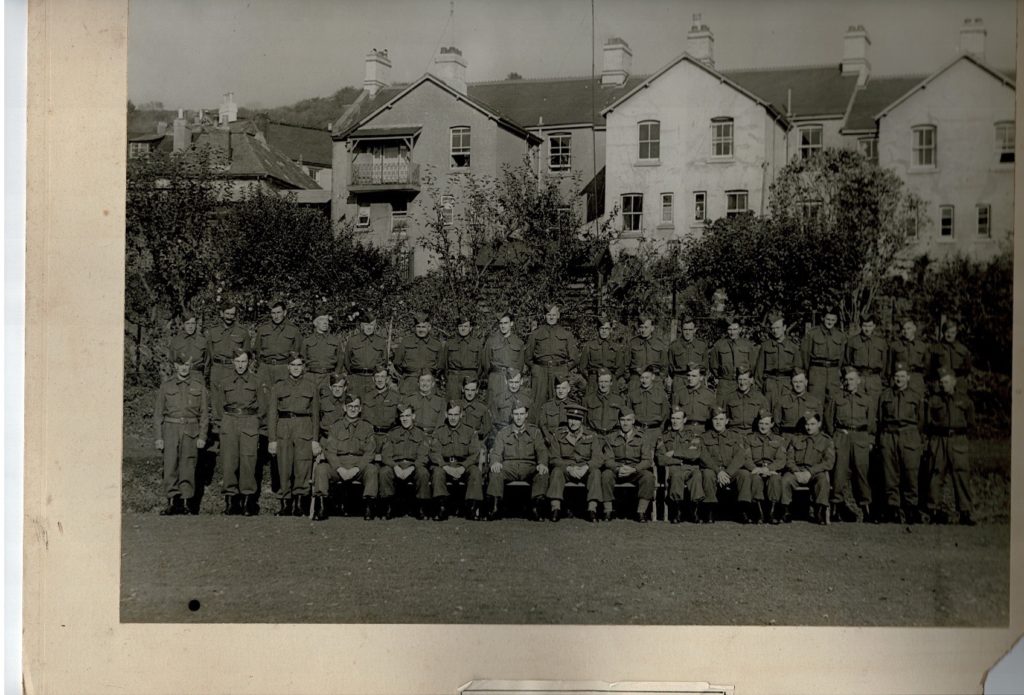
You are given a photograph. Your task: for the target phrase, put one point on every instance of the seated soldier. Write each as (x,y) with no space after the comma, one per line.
(809,458)
(768,456)
(519,453)
(629,459)
(575,456)
(349,449)
(724,454)
(456,453)
(404,457)
(679,452)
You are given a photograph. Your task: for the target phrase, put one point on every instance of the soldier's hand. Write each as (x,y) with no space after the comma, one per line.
(316,448)
(670,453)
(454,471)
(542,469)
(272,448)
(626,470)
(495,468)
(159,444)
(803,477)
(723,478)
(200,443)
(668,384)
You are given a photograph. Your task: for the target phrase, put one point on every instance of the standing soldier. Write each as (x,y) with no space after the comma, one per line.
(695,399)
(727,354)
(503,351)
(900,420)
(456,453)
(601,353)
(415,353)
(629,459)
(474,413)
(776,358)
(519,453)
(575,456)
(743,404)
(553,412)
(650,405)
(867,353)
(551,351)
(378,407)
(239,403)
(349,450)
(809,458)
(950,420)
(332,402)
(768,458)
(910,351)
(679,453)
(322,352)
(363,354)
(723,450)
(511,393)
(686,350)
(603,406)
(180,419)
(222,341)
(850,419)
(823,350)
(462,358)
(645,349)
(191,341)
(293,423)
(428,407)
(788,411)
(951,354)
(276,339)
(404,456)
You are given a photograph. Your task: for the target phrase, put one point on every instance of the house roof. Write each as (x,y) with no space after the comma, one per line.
(924,83)
(800,91)
(363,106)
(562,101)
(146,137)
(878,93)
(251,156)
(395,131)
(300,143)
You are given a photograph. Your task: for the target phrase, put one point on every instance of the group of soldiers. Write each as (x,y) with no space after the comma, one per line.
(550,414)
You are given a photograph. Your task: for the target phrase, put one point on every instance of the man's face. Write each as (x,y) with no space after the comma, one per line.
(689,330)
(719,422)
(338,389)
(812,424)
(779,329)
(353,409)
(422,329)
(519,416)
(277,314)
(867,328)
(693,378)
(241,363)
(514,382)
(744,381)
(799,383)
(321,324)
(948,383)
(646,379)
(604,330)
(295,368)
(469,390)
(574,424)
(369,328)
(406,418)
(604,383)
(454,415)
(677,421)
(183,369)
(380,379)
(851,381)
(464,328)
(626,421)
(646,328)
(764,425)
(830,321)
(909,330)
(505,325)
(228,315)
(562,390)
(901,379)
(950,333)
(190,325)
(734,331)
(551,317)
(426,384)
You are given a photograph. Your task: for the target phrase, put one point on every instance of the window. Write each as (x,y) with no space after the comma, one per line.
(700,206)
(363,219)
(460,147)
(1005,141)
(399,220)
(448,209)
(913,221)
(735,203)
(650,140)
(666,208)
(810,140)
(924,146)
(137,149)
(810,210)
(985,221)
(946,221)
(632,212)
(560,152)
(721,137)
(869,148)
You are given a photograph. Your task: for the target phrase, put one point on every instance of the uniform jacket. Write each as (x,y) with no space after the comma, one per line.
(195,346)
(222,341)
(414,354)
(603,410)
(647,351)
(331,410)
(323,353)
(599,353)
(726,354)
(275,340)
(631,450)
(380,407)
(239,392)
(552,344)
(362,353)
(914,354)
(350,443)
(580,449)
(851,411)
(459,445)
(868,355)
(777,358)
(821,344)
(767,450)
(501,352)
(791,407)
(681,353)
(552,416)
(742,408)
(523,446)
(814,452)
(950,412)
(430,410)
(696,403)
(898,409)
(650,405)
(182,398)
(724,451)
(477,415)
(953,356)
(679,448)
(503,402)
(299,396)
(463,354)
(405,446)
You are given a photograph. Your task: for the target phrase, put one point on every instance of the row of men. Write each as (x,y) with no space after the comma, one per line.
(552,351)
(340,433)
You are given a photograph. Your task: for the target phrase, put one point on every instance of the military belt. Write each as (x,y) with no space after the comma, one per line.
(949,431)
(363,372)
(648,425)
(892,429)
(789,430)
(181,420)
(868,370)
(456,459)
(382,430)
(285,414)
(404,460)
(778,373)
(600,431)
(222,360)
(550,361)
(863,428)
(319,371)
(821,362)
(275,360)
(231,410)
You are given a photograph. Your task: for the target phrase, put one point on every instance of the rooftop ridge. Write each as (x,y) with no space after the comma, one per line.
(546,79)
(769,68)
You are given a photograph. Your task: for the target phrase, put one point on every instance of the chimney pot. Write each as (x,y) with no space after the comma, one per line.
(618,60)
(855,53)
(450,66)
(700,42)
(972,38)
(378,71)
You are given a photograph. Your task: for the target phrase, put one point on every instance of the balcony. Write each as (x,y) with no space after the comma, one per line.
(384,175)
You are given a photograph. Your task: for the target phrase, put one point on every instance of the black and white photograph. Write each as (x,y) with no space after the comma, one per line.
(573,312)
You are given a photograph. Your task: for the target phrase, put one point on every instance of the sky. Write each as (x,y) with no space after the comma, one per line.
(188,53)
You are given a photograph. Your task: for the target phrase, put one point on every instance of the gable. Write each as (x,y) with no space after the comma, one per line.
(965,72)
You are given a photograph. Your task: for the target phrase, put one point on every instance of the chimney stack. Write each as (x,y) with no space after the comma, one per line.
(228,112)
(161,127)
(855,53)
(450,66)
(378,71)
(972,38)
(700,42)
(182,138)
(618,60)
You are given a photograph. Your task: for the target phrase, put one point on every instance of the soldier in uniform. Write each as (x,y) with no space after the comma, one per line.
(222,341)
(180,419)
(456,453)
(867,353)
(809,458)
(575,456)
(379,406)
(322,351)
(504,401)
(553,413)
(768,458)
(629,459)
(463,358)
(679,452)
(950,420)
(551,351)
(744,403)
(649,404)
(776,358)
(474,412)
(293,424)
(951,354)
(239,404)
(349,449)
(823,350)
(275,340)
(788,411)
(723,454)
(504,350)
(363,354)
(645,349)
(603,406)
(404,456)
(900,420)
(695,399)
(415,353)
(332,402)
(601,353)
(427,405)
(850,419)
(728,353)
(686,350)
(910,351)
(191,341)
(519,453)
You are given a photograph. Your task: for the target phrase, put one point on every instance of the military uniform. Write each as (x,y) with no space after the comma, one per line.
(679,453)
(456,446)
(742,408)
(597,354)
(815,454)
(194,347)
(462,359)
(551,351)
(477,415)
(722,451)
(412,356)
(552,415)
(643,353)
(680,354)
(950,355)
(519,451)
(603,412)
(293,421)
(631,450)
(900,420)
(349,444)
(405,447)
(697,404)
(500,354)
(239,404)
(950,419)
(573,449)
(331,410)
(221,343)
(380,411)
(868,356)
(788,411)
(503,402)
(322,353)
(767,451)
(913,354)
(774,366)
(272,345)
(651,408)
(179,419)
(850,419)
(430,410)
(361,356)
(726,356)
(823,350)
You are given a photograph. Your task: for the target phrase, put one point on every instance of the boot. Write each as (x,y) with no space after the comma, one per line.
(495,512)
(709,512)
(297,505)
(755,512)
(593,516)
(556,514)
(967,520)
(895,514)
(865,510)
(250,506)
(673,512)
(286,508)
(823,514)
(609,512)
(229,505)
(388,508)
(743,517)
(774,514)
(368,504)
(186,506)
(319,508)
(535,514)
(785,516)
(418,509)
(472,510)
(442,513)
(695,512)
(913,516)
(171,509)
